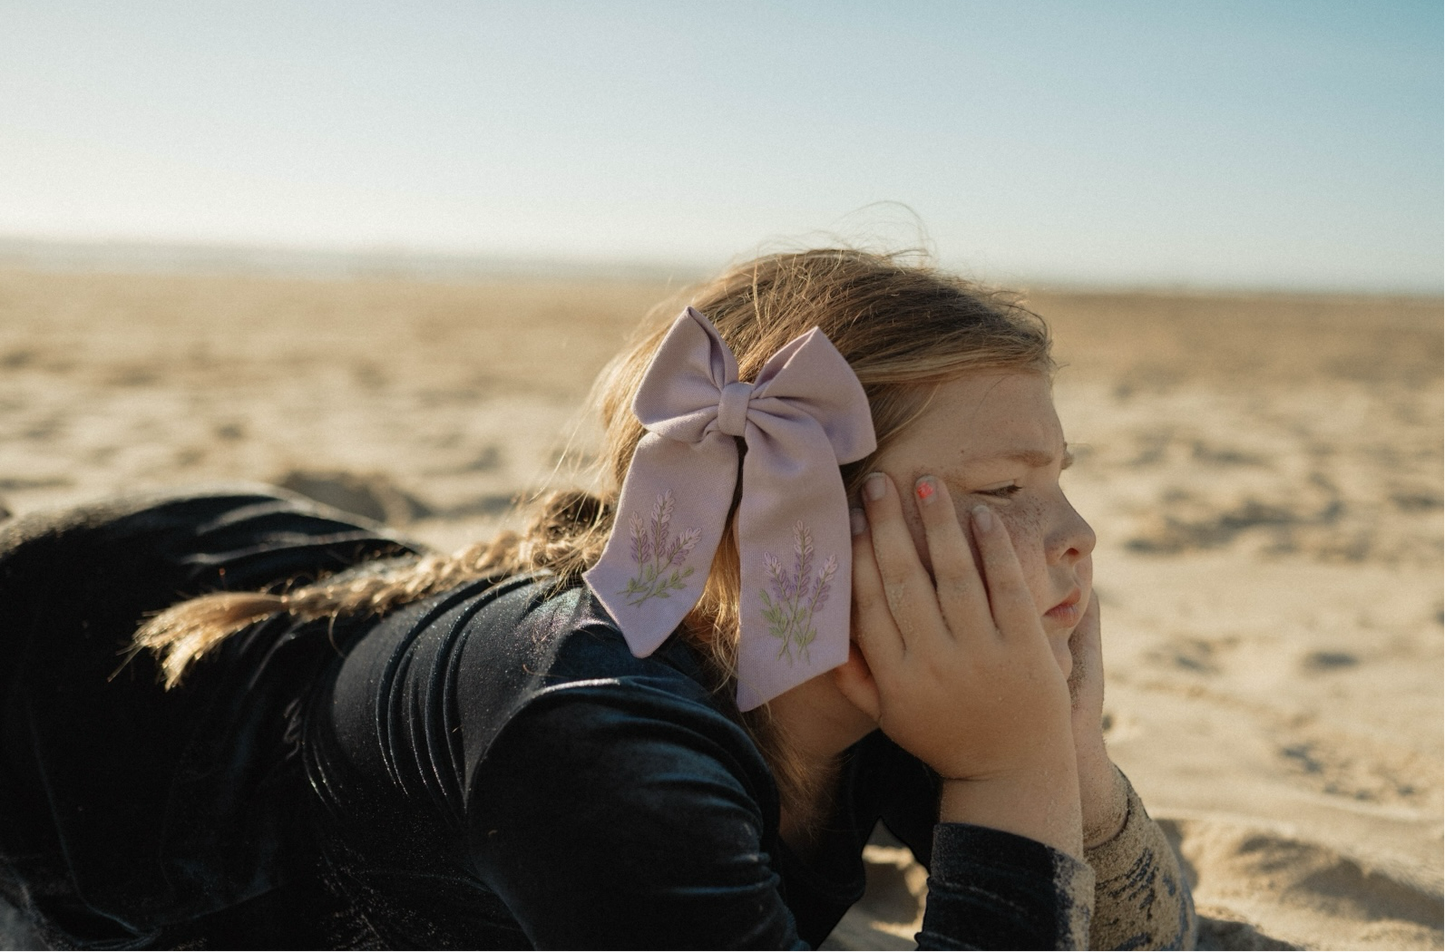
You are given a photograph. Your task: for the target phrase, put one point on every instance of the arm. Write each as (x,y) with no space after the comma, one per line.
(954,667)
(616,816)
(958,671)
(1141,900)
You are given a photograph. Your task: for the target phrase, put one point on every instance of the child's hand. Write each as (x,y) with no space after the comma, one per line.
(1101,789)
(959,673)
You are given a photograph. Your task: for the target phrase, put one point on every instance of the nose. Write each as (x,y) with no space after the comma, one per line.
(1072,538)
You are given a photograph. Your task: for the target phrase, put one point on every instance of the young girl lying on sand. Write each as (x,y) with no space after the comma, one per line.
(653,719)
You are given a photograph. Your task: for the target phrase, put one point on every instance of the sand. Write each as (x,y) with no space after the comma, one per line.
(1264,474)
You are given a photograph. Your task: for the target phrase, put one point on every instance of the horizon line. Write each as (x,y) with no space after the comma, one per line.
(334,262)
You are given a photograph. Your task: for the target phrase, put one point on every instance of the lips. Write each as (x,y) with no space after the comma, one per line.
(1066,612)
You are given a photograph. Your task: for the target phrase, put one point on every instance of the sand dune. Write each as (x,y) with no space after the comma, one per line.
(1263,473)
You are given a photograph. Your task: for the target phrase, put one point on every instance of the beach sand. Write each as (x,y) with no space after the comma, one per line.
(1263,472)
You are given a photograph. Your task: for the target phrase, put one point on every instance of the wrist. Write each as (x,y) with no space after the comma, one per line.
(1104,799)
(1042,804)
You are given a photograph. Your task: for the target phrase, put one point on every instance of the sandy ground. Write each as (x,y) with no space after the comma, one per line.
(1264,474)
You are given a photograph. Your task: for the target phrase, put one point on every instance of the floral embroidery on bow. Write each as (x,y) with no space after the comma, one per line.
(798,596)
(656,552)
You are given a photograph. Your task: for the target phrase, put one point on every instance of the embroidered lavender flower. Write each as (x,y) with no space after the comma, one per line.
(803,549)
(777,575)
(641,545)
(796,596)
(824,584)
(661,520)
(659,555)
(686,542)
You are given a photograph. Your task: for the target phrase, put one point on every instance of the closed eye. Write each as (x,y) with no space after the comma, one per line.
(1001,492)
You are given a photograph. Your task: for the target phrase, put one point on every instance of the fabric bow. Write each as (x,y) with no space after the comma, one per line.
(804,416)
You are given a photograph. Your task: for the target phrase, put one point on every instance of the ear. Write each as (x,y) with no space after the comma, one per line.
(854,680)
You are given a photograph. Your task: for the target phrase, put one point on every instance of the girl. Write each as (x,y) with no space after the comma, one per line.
(831,579)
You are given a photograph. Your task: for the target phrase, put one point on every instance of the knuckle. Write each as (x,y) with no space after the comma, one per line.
(896,593)
(939,670)
(864,583)
(903,580)
(870,603)
(955,589)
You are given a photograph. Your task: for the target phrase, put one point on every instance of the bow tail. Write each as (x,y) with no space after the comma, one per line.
(669,521)
(797,566)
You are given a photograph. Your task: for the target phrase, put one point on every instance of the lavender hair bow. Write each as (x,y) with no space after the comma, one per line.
(804,416)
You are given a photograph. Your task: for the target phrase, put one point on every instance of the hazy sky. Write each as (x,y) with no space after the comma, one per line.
(1255,144)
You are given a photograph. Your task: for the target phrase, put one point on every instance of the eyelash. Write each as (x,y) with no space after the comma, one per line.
(1003,492)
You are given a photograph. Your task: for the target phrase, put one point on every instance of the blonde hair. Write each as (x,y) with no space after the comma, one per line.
(903,326)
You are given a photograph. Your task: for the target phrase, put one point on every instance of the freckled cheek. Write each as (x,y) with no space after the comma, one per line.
(1025,526)
(1025,523)
(920,538)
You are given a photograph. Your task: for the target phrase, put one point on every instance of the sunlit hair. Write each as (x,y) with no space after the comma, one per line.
(903,326)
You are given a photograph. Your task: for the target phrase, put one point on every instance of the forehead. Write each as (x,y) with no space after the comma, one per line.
(986,415)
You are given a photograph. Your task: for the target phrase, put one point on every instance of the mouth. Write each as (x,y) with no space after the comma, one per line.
(1066,613)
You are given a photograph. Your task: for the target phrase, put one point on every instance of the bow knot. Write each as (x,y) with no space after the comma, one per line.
(804,415)
(732,408)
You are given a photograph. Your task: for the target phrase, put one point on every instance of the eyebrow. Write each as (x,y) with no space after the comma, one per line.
(1038,458)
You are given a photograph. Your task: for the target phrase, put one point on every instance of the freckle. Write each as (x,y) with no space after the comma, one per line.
(1026,522)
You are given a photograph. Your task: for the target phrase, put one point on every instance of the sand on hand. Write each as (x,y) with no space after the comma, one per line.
(1263,473)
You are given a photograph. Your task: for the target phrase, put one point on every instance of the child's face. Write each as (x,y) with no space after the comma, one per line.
(994,438)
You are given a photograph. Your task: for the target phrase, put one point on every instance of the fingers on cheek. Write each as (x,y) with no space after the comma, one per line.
(857,523)
(964,603)
(864,563)
(927,494)
(935,509)
(898,544)
(996,543)
(878,493)
(865,556)
(869,607)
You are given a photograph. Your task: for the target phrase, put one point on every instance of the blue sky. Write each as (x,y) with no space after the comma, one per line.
(1219,144)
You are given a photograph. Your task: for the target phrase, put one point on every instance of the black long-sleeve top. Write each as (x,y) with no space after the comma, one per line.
(488,768)
(576,796)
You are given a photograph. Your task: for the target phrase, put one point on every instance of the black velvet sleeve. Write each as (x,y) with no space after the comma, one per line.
(627,825)
(993,890)
(607,825)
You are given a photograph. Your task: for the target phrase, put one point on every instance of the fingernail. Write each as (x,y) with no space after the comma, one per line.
(873,487)
(982,518)
(925,489)
(857,521)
